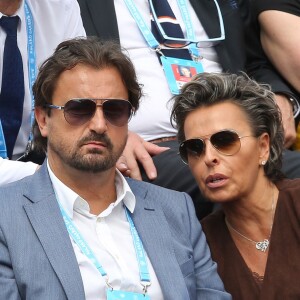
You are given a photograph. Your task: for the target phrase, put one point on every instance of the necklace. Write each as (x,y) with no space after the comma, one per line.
(260,245)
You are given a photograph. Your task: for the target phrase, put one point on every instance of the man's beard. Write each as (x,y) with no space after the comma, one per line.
(91,161)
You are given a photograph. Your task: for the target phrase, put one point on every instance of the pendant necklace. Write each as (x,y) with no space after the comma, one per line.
(260,245)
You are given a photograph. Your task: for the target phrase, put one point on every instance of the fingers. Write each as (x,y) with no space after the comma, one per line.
(139,152)
(290,134)
(136,155)
(288,121)
(154,149)
(122,165)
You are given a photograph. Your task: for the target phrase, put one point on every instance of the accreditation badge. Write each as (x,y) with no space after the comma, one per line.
(179,71)
(124,295)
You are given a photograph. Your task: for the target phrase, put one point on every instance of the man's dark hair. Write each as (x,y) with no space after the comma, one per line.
(90,51)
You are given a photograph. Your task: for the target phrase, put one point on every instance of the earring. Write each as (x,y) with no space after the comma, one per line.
(263,162)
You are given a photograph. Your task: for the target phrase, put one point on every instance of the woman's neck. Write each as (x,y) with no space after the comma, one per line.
(256,208)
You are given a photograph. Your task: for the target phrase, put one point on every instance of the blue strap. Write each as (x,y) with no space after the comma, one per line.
(81,243)
(3,151)
(32,66)
(189,27)
(12,89)
(147,33)
(139,250)
(87,251)
(32,74)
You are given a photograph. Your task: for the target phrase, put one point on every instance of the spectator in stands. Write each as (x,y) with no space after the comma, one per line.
(220,50)
(236,160)
(279,32)
(77,229)
(279,23)
(33,29)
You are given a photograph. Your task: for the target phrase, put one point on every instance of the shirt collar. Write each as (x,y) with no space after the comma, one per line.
(71,200)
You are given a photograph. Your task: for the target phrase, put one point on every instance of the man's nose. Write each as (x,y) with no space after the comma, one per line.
(98,123)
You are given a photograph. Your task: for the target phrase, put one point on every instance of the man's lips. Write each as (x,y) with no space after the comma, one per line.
(216,180)
(95,144)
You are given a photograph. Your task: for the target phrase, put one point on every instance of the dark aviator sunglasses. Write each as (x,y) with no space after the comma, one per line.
(79,111)
(226,142)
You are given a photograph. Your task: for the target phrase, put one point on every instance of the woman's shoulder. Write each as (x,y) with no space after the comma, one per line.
(213,222)
(289,191)
(289,185)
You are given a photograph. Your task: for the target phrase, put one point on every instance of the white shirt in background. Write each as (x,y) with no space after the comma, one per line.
(14,170)
(152,119)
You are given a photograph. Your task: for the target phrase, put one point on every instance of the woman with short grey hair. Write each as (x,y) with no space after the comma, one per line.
(231,136)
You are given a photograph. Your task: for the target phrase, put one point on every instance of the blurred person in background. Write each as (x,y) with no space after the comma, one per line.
(279,22)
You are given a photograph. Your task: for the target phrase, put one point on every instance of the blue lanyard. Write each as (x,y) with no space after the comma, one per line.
(32,66)
(3,151)
(32,74)
(139,250)
(147,33)
(81,243)
(187,22)
(87,251)
(189,26)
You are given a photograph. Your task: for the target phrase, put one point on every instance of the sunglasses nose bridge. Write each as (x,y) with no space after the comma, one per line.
(98,119)
(99,106)
(208,146)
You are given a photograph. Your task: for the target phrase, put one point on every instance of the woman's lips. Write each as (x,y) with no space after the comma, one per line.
(216,180)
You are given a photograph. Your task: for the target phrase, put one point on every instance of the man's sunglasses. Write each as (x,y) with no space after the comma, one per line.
(227,142)
(79,111)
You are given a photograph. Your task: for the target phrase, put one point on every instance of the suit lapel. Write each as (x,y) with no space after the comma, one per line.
(99,18)
(46,220)
(206,12)
(153,230)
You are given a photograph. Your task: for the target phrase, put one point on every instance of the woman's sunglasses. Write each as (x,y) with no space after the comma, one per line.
(226,142)
(79,111)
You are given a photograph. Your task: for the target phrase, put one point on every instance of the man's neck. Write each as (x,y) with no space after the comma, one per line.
(98,189)
(9,7)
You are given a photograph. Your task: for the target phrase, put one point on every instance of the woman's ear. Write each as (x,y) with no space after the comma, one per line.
(264,147)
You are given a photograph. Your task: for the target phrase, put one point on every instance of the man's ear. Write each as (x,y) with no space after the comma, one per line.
(41,117)
(264,146)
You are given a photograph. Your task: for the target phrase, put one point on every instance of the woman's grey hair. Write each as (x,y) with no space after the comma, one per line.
(256,100)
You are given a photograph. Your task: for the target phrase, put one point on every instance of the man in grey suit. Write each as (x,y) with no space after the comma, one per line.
(78,229)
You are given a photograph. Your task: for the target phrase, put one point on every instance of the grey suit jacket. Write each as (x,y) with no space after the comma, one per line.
(37,260)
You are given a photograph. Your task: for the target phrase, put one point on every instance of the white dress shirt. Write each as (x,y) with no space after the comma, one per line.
(54,22)
(152,119)
(109,237)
